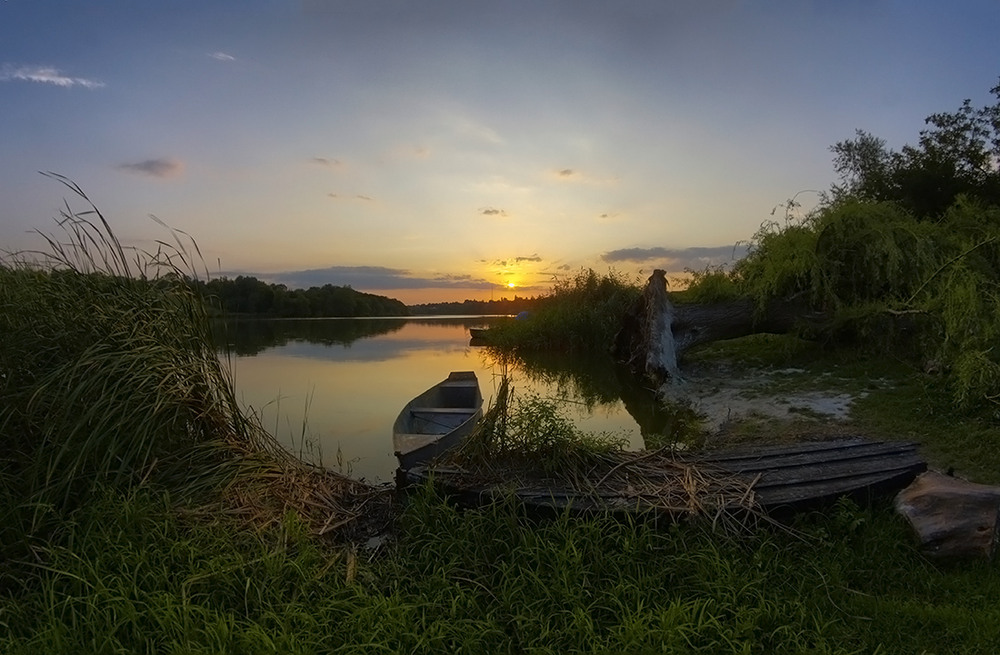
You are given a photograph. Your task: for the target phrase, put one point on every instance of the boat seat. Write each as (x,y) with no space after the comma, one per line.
(408,442)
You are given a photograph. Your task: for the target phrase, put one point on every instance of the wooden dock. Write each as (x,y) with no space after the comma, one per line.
(812,474)
(784,479)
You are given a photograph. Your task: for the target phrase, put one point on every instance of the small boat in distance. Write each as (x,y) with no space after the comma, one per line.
(479,333)
(437,420)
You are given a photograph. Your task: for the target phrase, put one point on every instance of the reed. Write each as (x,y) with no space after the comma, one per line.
(582,312)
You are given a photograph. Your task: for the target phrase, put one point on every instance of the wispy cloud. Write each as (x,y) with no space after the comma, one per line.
(574,176)
(221,56)
(682,258)
(492,211)
(45,75)
(513,261)
(356,196)
(326,162)
(161,167)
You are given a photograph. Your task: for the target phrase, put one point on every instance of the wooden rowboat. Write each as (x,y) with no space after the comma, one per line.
(437,420)
(479,333)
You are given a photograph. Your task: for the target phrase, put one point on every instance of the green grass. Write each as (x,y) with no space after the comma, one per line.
(139,577)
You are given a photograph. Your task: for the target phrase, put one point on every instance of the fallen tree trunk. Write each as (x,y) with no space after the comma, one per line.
(655,332)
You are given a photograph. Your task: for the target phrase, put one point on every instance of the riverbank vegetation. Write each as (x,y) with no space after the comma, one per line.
(246,295)
(581,312)
(500,307)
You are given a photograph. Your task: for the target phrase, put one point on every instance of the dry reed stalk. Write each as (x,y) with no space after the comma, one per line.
(327,503)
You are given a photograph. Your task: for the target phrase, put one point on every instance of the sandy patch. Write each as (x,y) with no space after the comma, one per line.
(722,394)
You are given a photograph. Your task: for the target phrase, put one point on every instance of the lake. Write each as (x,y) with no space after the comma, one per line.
(330,389)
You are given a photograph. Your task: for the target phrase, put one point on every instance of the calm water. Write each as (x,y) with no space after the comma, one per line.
(341,383)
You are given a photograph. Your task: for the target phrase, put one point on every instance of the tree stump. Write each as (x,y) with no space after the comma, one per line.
(952,518)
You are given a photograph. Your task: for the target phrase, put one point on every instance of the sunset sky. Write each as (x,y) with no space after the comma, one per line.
(440,150)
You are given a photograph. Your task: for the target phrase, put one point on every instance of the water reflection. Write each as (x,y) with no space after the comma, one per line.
(251,336)
(339,384)
(597,380)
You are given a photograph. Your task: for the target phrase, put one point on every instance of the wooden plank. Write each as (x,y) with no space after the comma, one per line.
(800,447)
(810,494)
(791,457)
(832,470)
(784,477)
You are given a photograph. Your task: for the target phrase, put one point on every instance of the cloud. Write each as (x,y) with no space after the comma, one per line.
(578,177)
(45,75)
(513,261)
(221,56)
(694,258)
(493,211)
(378,278)
(327,162)
(356,196)
(162,167)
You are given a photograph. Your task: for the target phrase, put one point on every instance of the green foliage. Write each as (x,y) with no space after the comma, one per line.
(582,312)
(847,253)
(958,154)
(713,284)
(248,295)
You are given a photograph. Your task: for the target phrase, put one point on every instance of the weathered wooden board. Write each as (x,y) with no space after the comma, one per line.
(800,476)
(785,478)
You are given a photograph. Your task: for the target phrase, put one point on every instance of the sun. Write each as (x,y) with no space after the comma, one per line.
(511,285)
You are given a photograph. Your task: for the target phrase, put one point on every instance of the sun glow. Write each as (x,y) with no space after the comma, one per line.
(511,285)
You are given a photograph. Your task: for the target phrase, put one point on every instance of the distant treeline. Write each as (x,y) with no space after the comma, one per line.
(495,307)
(248,295)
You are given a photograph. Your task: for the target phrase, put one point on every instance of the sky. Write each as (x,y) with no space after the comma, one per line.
(440,150)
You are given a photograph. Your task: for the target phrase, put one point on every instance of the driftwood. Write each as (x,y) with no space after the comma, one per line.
(655,332)
(951,517)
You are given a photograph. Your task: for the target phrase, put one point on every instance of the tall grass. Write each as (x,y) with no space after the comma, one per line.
(108,376)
